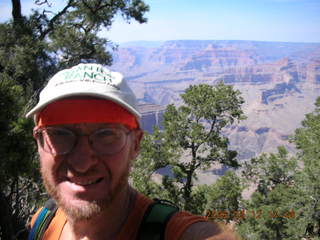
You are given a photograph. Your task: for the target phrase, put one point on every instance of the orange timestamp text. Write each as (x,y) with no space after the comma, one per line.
(243,213)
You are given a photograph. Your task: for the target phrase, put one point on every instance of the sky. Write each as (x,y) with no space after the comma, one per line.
(259,20)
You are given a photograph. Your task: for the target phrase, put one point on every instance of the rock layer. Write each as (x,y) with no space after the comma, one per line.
(279,82)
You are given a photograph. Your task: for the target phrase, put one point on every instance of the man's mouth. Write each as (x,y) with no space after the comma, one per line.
(86,182)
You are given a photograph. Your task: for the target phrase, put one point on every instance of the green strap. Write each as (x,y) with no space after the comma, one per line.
(152,227)
(155,220)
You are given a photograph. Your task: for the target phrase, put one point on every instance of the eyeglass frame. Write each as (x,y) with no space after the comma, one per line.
(38,130)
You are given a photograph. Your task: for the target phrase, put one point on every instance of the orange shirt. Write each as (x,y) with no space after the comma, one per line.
(175,227)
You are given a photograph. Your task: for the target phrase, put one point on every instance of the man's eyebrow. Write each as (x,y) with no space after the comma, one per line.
(77,126)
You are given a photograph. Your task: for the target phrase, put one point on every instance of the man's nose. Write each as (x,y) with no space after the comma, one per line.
(83,157)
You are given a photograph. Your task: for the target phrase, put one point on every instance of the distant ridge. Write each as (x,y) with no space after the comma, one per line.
(146,44)
(268,49)
(279,81)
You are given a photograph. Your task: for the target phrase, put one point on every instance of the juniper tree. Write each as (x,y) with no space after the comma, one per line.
(192,137)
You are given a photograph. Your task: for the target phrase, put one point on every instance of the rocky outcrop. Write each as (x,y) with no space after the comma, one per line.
(279,91)
(151,115)
(279,82)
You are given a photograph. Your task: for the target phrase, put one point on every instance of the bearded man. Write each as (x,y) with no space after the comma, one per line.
(88,133)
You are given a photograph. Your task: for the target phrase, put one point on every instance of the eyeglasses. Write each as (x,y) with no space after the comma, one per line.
(61,141)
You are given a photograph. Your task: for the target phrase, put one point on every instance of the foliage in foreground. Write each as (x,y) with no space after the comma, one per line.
(32,49)
(285,203)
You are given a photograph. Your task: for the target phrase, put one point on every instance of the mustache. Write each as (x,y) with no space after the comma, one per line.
(94,171)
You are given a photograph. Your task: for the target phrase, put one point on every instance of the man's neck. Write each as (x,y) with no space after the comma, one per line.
(106,225)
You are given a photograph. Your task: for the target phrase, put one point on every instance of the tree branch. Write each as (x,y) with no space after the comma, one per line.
(182,167)
(39,2)
(54,19)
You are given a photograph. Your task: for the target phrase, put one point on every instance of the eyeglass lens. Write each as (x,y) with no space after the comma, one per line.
(59,141)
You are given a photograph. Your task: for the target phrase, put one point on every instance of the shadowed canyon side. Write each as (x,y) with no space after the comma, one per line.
(279,82)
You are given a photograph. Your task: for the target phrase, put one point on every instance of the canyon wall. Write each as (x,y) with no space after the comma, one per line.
(279,82)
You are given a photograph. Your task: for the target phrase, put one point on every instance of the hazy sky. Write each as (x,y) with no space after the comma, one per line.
(263,20)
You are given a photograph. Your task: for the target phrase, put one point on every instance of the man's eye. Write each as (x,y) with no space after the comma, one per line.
(106,133)
(58,133)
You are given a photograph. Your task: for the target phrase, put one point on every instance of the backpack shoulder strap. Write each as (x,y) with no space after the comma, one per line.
(43,219)
(155,220)
(152,226)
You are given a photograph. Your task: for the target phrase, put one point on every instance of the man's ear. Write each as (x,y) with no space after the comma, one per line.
(138,136)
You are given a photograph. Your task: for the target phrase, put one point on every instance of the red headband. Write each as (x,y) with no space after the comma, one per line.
(70,111)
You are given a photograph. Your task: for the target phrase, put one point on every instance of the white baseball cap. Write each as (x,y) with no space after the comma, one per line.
(87,80)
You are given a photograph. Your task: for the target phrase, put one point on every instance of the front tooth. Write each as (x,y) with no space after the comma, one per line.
(85,183)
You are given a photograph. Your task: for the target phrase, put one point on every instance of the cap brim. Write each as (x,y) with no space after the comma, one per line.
(43,104)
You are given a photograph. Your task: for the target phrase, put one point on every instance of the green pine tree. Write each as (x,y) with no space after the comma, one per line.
(192,139)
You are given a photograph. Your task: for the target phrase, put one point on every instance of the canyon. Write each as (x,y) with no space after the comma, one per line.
(279,81)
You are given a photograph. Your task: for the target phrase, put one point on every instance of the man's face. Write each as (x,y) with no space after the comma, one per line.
(84,182)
